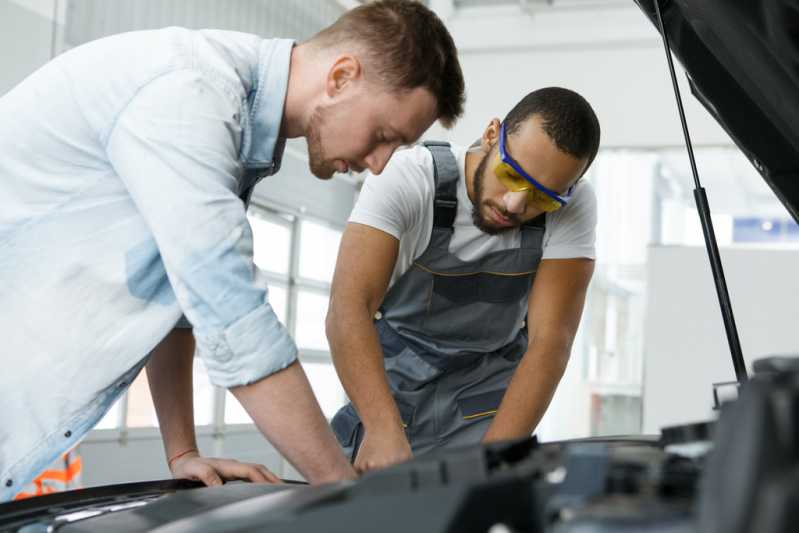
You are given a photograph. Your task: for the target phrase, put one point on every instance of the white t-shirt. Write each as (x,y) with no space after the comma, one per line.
(400,202)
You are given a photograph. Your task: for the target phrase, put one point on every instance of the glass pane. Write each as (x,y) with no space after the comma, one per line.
(234,412)
(203,395)
(311,312)
(271,245)
(326,387)
(277,299)
(141,412)
(318,251)
(111,418)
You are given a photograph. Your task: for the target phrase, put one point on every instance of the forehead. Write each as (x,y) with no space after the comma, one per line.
(539,156)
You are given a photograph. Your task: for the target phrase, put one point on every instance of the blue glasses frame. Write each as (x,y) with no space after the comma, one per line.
(506,158)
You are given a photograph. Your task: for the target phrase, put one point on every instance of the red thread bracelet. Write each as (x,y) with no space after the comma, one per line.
(178,456)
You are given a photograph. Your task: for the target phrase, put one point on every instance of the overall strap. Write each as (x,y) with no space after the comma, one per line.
(446,177)
(533,232)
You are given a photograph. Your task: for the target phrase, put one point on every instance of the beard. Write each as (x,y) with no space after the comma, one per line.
(317,163)
(480,204)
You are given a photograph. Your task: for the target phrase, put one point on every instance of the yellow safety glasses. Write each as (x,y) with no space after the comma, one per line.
(513,176)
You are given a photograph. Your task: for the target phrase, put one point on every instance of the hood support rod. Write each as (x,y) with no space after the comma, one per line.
(703,208)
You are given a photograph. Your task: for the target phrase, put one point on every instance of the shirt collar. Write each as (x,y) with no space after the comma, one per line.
(266,102)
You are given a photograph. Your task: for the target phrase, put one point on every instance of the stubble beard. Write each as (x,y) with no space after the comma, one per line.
(317,163)
(479,204)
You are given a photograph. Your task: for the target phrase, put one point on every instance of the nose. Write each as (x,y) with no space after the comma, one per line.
(515,202)
(378,158)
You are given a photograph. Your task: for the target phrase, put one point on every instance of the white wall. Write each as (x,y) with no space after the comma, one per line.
(686,347)
(25,38)
(613,56)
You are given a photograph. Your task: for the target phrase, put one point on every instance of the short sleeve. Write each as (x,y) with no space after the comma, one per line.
(396,200)
(571,231)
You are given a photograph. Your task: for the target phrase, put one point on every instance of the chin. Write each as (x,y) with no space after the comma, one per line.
(482,223)
(322,171)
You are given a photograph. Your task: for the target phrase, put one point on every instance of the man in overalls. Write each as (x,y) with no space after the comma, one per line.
(460,284)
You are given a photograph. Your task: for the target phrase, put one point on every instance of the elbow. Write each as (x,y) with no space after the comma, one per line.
(331,322)
(344,317)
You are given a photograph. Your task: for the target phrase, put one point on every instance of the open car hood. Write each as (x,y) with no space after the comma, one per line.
(742,62)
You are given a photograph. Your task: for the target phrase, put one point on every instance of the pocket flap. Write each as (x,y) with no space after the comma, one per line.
(345,425)
(479,405)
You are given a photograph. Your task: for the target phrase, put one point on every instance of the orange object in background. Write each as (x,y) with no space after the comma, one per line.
(63,474)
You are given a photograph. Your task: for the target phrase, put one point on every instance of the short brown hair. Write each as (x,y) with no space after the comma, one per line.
(408,46)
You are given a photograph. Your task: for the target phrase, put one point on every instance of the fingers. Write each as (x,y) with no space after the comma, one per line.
(255,473)
(270,477)
(362,466)
(206,473)
(212,471)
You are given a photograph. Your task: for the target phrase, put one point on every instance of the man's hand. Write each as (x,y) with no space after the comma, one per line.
(212,471)
(284,408)
(381,449)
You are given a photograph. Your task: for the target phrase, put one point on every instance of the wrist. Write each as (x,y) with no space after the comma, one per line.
(385,425)
(183,454)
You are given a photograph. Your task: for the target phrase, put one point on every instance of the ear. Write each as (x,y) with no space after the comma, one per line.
(490,135)
(345,70)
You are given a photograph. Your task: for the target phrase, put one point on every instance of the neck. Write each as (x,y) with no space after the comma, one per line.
(304,89)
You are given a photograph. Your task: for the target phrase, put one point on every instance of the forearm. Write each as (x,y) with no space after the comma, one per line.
(358,357)
(169,373)
(285,410)
(530,391)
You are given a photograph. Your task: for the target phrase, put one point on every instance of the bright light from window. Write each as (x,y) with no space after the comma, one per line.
(203,395)
(277,299)
(234,412)
(141,412)
(111,418)
(318,251)
(326,387)
(310,327)
(271,245)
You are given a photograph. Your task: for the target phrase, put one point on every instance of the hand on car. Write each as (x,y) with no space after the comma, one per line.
(380,449)
(212,471)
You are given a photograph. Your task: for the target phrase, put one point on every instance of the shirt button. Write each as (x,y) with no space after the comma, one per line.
(378,315)
(68,434)
(9,482)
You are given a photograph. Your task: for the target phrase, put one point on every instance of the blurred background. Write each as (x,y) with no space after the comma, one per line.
(651,340)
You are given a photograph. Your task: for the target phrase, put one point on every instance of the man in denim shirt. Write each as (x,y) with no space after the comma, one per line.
(125,171)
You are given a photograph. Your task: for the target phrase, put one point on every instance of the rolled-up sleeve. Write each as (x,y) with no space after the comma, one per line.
(175,147)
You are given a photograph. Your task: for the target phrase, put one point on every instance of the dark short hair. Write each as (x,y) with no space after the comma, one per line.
(567,118)
(408,47)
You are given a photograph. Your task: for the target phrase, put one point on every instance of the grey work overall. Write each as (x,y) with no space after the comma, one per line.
(451,331)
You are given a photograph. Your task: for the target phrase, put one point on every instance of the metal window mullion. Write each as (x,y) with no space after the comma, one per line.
(313,285)
(275,279)
(315,356)
(294,269)
(218,421)
(122,416)
(270,214)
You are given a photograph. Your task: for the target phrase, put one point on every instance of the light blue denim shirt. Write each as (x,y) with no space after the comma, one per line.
(122,164)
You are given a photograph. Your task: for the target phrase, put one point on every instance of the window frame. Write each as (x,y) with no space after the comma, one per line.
(292,282)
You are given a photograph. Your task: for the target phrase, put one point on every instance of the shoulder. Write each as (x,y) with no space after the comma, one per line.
(399,198)
(581,209)
(571,230)
(409,173)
